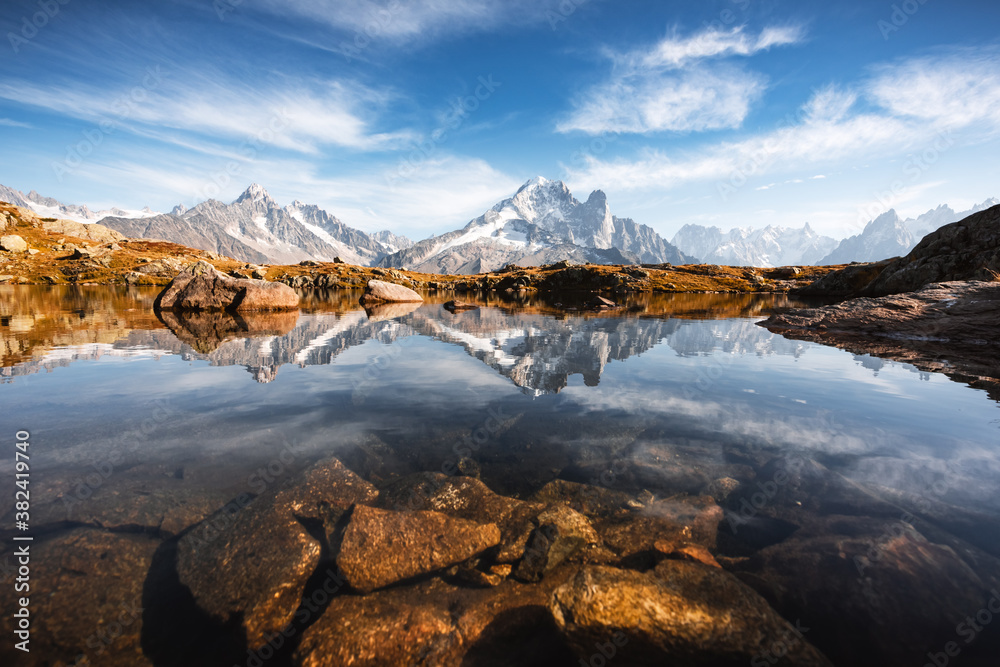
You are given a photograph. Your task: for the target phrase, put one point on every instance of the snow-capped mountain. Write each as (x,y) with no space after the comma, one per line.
(254,228)
(885,236)
(743,246)
(540,224)
(889,236)
(47,207)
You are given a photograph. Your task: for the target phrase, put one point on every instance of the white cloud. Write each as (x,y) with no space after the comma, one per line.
(669,88)
(830,129)
(7,122)
(676,52)
(956,90)
(697,100)
(298,115)
(414,19)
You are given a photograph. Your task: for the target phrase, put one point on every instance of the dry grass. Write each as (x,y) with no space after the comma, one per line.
(129,262)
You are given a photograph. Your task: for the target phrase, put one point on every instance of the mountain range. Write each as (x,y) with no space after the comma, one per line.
(890,236)
(743,246)
(886,236)
(541,223)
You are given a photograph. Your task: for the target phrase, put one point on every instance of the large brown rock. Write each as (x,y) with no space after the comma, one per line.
(13,243)
(380,547)
(254,557)
(86,601)
(379,291)
(881,596)
(965,250)
(680,614)
(91,232)
(202,287)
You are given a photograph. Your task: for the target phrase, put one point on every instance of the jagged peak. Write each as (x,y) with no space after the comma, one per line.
(255,192)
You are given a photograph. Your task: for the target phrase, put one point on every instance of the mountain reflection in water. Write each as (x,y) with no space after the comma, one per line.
(883,530)
(535,345)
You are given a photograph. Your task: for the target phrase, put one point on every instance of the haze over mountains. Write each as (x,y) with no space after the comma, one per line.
(743,246)
(886,236)
(541,223)
(890,236)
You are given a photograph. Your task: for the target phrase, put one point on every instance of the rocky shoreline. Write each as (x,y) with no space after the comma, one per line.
(945,328)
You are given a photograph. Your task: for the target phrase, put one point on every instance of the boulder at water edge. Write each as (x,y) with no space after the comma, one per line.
(379,291)
(202,287)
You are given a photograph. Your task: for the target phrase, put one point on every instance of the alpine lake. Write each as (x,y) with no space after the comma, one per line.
(526,483)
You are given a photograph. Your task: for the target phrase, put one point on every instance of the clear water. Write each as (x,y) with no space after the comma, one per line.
(131,422)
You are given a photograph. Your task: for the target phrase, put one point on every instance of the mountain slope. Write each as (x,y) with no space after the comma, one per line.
(542,223)
(767,247)
(254,228)
(887,236)
(52,208)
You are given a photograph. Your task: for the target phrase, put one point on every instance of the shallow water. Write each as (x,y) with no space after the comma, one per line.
(137,426)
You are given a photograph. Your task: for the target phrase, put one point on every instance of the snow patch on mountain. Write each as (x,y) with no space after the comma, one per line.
(541,223)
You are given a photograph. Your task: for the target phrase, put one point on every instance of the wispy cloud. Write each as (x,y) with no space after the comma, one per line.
(7,122)
(409,20)
(669,87)
(295,114)
(676,52)
(911,104)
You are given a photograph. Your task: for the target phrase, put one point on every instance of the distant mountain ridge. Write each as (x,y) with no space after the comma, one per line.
(744,246)
(890,236)
(540,224)
(254,228)
(886,236)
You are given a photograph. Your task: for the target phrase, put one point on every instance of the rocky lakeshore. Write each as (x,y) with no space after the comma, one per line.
(937,308)
(945,328)
(47,251)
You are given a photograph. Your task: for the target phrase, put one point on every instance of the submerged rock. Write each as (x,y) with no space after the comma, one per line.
(466,498)
(202,287)
(380,291)
(253,557)
(380,547)
(881,596)
(88,606)
(560,533)
(438,624)
(680,614)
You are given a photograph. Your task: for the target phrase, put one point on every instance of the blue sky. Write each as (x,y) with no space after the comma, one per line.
(417,115)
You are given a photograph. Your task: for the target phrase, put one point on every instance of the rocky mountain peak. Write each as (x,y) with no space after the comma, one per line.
(255,193)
